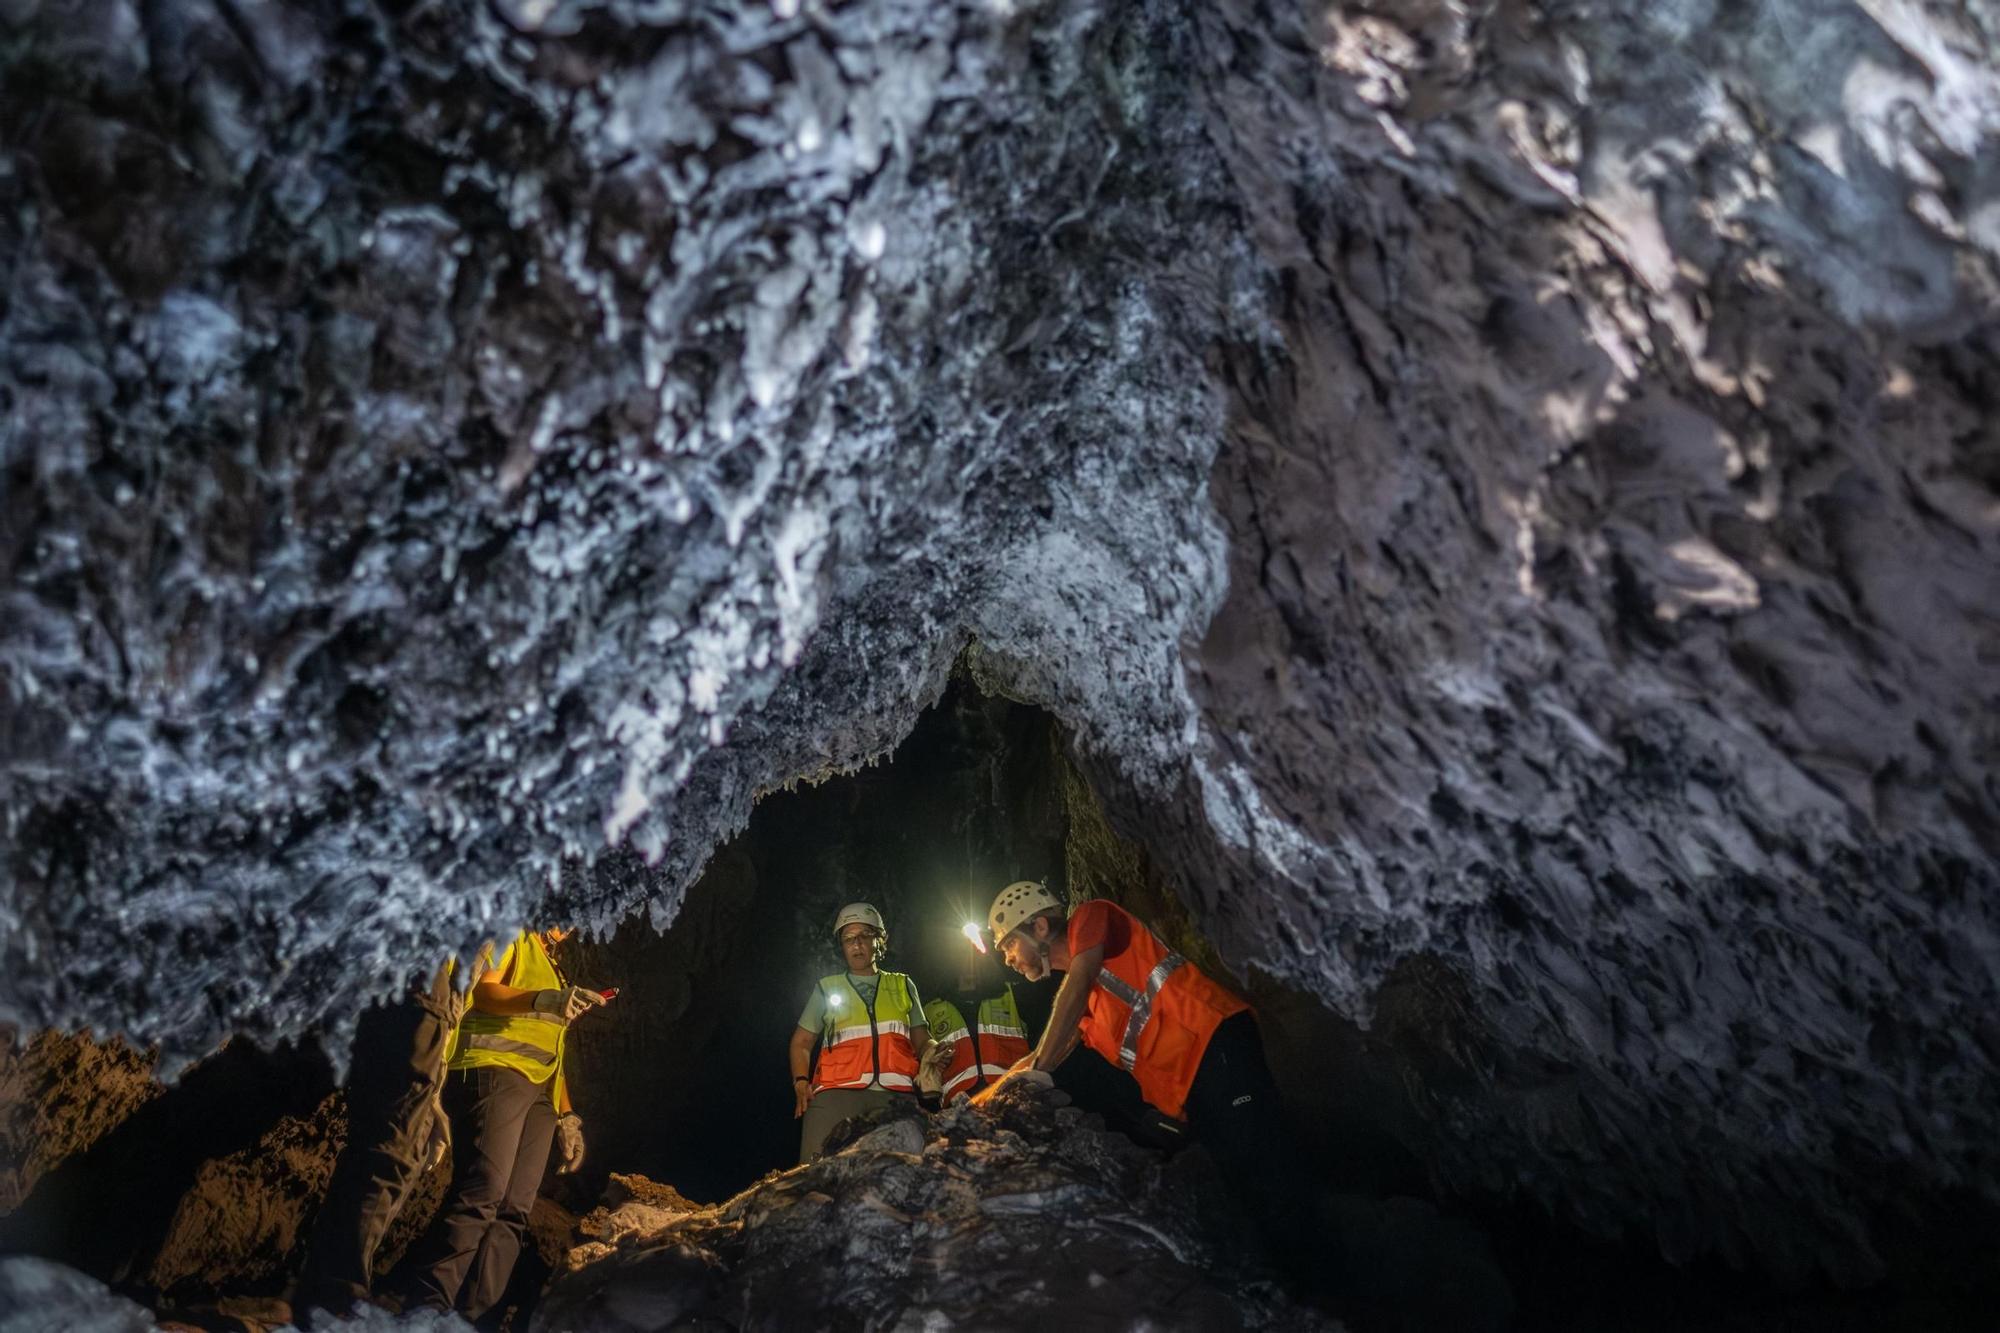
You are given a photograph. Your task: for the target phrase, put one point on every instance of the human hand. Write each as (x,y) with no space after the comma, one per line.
(1023,1075)
(930,1072)
(566,1004)
(804,1094)
(569,1143)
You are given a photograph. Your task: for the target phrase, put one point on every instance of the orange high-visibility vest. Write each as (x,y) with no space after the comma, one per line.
(985,1049)
(866,1045)
(1152,1013)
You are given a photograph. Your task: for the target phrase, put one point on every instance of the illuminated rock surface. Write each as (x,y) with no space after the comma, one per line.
(1502,500)
(959,1223)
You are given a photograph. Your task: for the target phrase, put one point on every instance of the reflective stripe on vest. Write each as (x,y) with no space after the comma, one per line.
(487,1041)
(1151,1013)
(983,1049)
(530,1044)
(862,1030)
(1142,1005)
(878,1054)
(984,1073)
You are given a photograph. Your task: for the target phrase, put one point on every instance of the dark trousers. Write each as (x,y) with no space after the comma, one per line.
(830,1106)
(501,1126)
(1233,1109)
(393,1071)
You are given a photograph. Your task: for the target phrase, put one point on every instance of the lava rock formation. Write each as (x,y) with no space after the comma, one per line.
(1500,498)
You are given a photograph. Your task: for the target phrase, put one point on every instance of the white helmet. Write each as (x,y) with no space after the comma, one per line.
(1017,904)
(866,914)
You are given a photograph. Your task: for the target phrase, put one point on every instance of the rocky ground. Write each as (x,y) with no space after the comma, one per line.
(1023,1212)
(962,1221)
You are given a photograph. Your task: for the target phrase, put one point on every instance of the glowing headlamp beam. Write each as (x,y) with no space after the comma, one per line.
(972,933)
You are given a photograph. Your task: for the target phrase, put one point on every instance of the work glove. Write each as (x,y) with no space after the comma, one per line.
(569,1143)
(567,1003)
(930,1074)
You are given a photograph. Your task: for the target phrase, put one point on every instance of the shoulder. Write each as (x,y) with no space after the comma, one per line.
(1096,914)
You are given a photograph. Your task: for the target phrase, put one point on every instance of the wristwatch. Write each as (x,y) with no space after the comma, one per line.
(800,1078)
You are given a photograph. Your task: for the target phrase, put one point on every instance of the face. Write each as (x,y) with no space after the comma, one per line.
(1024,954)
(857,946)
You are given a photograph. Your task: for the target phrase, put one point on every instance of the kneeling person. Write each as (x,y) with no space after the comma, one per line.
(1191,1043)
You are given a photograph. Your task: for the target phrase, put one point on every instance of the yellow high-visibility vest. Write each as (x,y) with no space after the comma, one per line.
(530,1043)
(866,1045)
(980,1057)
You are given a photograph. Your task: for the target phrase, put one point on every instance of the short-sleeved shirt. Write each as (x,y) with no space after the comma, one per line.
(1096,923)
(813,1017)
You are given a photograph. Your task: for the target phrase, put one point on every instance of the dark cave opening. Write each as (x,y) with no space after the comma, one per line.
(694,1045)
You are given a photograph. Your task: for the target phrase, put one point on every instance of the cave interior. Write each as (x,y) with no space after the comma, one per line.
(194,1197)
(1480,521)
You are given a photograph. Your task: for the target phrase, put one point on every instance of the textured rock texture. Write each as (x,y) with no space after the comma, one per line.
(59,1095)
(1503,496)
(963,1221)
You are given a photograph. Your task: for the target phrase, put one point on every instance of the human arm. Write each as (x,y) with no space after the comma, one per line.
(492,995)
(1061,1035)
(800,1058)
(920,1040)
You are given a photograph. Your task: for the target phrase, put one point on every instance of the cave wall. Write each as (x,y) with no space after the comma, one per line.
(1634,652)
(59,1094)
(176,1192)
(1509,485)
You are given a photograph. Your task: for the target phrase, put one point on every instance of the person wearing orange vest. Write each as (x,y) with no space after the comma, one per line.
(1191,1043)
(869,1028)
(981,1051)
(508,1103)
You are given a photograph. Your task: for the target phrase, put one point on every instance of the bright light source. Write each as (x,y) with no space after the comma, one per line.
(972,933)
(834,999)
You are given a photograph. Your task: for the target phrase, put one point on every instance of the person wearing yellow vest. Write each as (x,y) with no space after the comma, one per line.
(869,1029)
(981,1051)
(1191,1043)
(508,1102)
